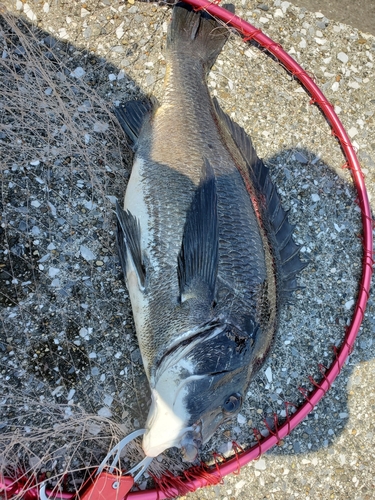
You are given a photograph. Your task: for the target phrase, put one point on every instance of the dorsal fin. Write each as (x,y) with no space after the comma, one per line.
(129,240)
(131,116)
(198,258)
(288,252)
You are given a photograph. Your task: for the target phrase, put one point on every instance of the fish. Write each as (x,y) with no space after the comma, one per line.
(204,243)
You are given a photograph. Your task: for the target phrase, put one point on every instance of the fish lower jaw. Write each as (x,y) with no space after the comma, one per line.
(154,446)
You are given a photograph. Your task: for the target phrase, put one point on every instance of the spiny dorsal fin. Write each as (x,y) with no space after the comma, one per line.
(289,261)
(129,240)
(198,258)
(131,116)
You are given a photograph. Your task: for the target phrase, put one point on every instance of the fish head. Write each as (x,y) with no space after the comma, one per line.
(197,385)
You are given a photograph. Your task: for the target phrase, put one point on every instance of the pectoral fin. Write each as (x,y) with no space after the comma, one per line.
(129,243)
(198,257)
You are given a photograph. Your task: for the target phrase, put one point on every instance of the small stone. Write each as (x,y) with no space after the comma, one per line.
(100,127)
(94,429)
(90,205)
(263,6)
(278,13)
(341,56)
(86,253)
(20,51)
(150,79)
(46,7)
(105,412)
(260,464)
(78,72)
(225,448)
(71,394)
(29,13)
(297,447)
(349,304)
(52,208)
(53,271)
(263,20)
(112,199)
(119,31)
(63,33)
(315,197)
(84,12)
(320,41)
(241,419)
(45,258)
(99,263)
(84,333)
(35,163)
(300,158)
(335,86)
(240,484)
(108,400)
(268,374)
(354,85)
(112,77)
(353,131)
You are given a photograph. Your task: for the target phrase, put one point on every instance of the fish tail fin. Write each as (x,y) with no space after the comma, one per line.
(197,33)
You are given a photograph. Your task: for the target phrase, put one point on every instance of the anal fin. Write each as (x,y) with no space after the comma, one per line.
(129,241)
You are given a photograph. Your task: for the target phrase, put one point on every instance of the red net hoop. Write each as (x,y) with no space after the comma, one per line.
(195,478)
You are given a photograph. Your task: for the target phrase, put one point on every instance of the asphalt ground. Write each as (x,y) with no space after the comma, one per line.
(359,13)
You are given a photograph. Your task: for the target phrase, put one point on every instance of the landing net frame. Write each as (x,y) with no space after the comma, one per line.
(197,477)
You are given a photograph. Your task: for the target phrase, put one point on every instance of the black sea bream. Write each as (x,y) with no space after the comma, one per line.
(204,243)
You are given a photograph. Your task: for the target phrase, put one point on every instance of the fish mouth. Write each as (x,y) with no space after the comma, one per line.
(188,439)
(168,422)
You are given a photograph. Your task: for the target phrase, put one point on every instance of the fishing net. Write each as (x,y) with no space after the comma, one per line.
(72,382)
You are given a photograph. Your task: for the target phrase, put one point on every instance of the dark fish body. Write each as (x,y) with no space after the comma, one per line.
(205,245)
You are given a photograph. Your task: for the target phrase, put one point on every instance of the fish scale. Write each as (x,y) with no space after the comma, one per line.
(205,246)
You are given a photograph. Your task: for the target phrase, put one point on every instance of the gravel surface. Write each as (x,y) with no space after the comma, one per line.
(70,364)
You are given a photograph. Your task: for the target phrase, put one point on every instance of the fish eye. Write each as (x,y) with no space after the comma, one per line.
(232,403)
